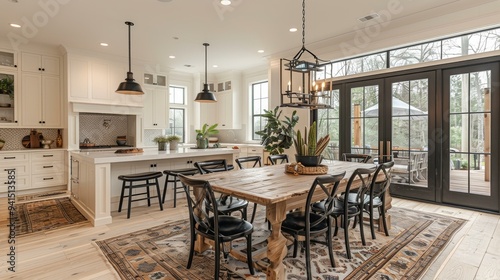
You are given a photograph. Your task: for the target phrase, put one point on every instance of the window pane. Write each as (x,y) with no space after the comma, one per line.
(177,95)
(260,103)
(176,123)
(415,54)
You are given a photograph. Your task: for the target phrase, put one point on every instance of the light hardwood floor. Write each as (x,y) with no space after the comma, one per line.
(473,253)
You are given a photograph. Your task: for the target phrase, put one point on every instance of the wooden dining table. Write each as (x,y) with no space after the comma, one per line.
(279,192)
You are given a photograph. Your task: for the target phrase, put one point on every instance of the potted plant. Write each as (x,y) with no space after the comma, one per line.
(162,141)
(308,149)
(277,134)
(203,133)
(173,141)
(6,90)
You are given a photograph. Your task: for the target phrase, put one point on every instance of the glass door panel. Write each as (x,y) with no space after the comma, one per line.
(329,123)
(468,98)
(364,120)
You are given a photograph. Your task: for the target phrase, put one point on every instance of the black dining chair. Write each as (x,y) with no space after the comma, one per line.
(255,161)
(226,204)
(362,158)
(374,197)
(347,209)
(213,225)
(307,224)
(278,159)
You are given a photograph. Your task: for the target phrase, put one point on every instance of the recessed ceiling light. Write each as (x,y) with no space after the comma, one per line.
(293,29)
(215,66)
(260,51)
(104,44)
(15,25)
(225,2)
(171,56)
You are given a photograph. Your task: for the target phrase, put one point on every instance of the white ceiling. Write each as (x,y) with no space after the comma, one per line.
(235,33)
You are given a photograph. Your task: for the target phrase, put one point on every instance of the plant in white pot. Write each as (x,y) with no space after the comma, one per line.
(162,141)
(173,141)
(6,91)
(308,149)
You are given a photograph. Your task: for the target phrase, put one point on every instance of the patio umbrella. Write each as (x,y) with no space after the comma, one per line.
(399,108)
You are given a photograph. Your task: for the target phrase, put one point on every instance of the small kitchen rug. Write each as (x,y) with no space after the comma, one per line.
(416,239)
(44,215)
(38,196)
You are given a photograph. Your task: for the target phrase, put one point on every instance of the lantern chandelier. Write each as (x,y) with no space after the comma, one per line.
(298,78)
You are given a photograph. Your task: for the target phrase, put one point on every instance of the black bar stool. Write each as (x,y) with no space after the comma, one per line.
(175,173)
(138,177)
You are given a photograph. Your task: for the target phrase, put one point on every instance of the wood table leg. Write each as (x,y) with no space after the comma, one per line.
(276,245)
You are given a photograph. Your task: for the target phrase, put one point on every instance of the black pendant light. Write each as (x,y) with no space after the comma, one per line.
(129,86)
(205,96)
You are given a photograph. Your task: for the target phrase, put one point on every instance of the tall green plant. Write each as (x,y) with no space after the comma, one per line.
(277,134)
(307,145)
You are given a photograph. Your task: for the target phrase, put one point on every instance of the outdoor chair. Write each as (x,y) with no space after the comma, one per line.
(363,158)
(306,223)
(213,225)
(225,204)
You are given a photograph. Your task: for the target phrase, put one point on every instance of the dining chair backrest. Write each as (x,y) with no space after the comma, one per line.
(362,178)
(198,193)
(362,158)
(378,186)
(210,166)
(256,160)
(329,185)
(278,159)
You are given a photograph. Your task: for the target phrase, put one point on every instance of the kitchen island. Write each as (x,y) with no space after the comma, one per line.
(95,188)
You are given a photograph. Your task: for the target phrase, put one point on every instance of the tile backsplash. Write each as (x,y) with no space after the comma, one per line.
(102,129)
(14,136)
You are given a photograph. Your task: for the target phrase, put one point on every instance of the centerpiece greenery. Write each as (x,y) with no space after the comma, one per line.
(277,134)
(162,141)
(203,133)
(7,87)
(308,149)
(173,140)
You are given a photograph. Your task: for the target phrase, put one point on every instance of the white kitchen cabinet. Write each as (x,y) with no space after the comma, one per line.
(8,59)
(155,79)
(41,104)
(226,111)
(34,169)
(94,81)
(156,107)
(9,108)
(37,63)
(47,169)
(19,161)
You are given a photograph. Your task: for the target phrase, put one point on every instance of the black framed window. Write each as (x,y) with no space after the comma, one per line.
(260,102)
(177,112)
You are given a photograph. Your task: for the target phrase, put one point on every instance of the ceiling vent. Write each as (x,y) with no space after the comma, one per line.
(368,17)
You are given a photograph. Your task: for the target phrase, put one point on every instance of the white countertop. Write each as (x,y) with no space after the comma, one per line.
(149,154)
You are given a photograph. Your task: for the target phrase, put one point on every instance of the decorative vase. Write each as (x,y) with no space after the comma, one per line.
(162,146)
(309,160)
(201,142)
(59,139)
(174,145)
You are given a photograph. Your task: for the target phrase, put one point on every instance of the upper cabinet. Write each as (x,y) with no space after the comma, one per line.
(8,59)
(155,79)
(156,107)
(9,99)
(93,80)
(37,63)
(41,98)
(225,111)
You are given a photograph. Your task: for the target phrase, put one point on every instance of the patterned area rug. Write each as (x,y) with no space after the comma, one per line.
(46,215)
(416,238)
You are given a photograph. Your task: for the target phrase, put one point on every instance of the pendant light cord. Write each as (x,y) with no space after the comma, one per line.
(206,45)
(303,23)
(129,46)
